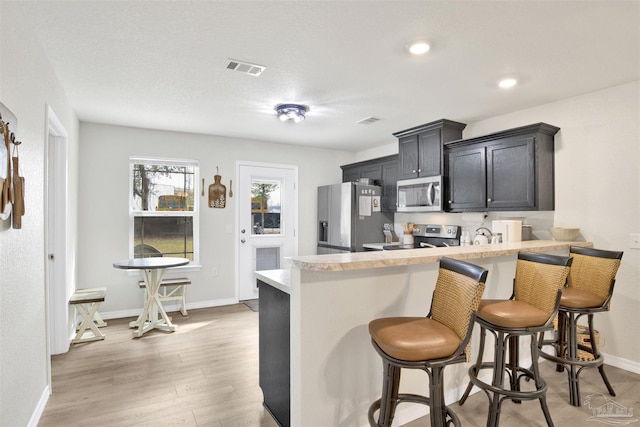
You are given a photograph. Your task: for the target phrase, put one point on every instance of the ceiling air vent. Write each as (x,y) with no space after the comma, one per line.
(368,120)
(245,67)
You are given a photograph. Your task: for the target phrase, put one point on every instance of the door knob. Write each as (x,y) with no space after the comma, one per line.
(242,240)
(243,231)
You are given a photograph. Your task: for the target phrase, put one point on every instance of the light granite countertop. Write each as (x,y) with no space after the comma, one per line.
(378,259)
(279,279)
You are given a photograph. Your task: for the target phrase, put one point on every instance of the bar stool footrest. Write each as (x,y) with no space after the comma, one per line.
(412,398)
(508,393)
(566,362)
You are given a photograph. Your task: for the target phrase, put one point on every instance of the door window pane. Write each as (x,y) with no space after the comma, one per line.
(266,207)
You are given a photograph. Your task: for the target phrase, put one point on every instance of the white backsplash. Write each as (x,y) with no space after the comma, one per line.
(540,220)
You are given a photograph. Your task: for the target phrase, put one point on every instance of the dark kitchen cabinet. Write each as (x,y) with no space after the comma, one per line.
(383,171)
(371,169)
(351,174)
(510,174)
(420,149)
(389,188)
(466,177)
(509,170)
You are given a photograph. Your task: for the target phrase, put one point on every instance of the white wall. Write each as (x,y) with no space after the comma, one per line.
(27,85)
(103,205)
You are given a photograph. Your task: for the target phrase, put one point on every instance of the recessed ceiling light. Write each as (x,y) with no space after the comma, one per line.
(507,83)
(419,47)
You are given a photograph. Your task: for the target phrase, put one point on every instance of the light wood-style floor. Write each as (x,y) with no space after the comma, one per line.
(206,374)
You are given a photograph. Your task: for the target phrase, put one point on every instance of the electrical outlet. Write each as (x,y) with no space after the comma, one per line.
(634,241)
(214,271)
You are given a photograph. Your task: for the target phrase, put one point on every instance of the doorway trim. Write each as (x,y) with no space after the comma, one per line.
(58,286)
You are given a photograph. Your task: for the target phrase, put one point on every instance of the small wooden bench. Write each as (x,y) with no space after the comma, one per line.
(87,302)
(174,289)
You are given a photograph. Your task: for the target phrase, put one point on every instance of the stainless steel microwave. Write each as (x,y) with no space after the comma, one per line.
(420,194)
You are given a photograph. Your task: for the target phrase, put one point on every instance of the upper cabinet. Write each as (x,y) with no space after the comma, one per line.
(383,171)
(420,148)
(508,170)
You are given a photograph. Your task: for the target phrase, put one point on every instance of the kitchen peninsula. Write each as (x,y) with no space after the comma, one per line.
(335,374)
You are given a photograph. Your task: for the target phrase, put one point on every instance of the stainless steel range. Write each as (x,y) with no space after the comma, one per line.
(431,236)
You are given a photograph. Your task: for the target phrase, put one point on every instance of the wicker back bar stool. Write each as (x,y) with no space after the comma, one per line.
(531,309)
(589,290)
(428,343)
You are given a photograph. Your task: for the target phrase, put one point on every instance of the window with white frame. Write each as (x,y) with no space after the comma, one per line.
(163,208)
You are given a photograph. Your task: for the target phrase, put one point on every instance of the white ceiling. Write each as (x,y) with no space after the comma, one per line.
(161,64)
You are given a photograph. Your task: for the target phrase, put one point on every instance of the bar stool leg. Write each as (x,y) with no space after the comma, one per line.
(483,336)
(498,379)
(597,355)
(561,345)
(390,385)
(572,354)
(540,383)
(437,412)
(514,361)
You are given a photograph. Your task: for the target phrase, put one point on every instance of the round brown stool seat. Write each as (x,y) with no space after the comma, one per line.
(511,313)
(589,291)
(577,298)
(530,311)
(414,338)
(428,344)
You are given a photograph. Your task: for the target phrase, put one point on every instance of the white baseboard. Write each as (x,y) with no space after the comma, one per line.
(168,307)
(619,362)
(37,413)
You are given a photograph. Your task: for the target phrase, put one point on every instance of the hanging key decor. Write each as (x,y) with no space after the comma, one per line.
(5,171)
(11,183)
(18,188)
(217,192)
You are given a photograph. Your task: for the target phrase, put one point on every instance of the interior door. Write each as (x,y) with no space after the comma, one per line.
(59,288)
(267,219)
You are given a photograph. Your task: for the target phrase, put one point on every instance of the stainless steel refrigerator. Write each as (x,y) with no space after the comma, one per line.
(348,216)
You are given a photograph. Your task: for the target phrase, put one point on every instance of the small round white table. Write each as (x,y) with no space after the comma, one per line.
(153,269)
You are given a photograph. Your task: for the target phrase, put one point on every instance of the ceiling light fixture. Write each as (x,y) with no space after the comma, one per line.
(507,83)
(419,48)
(293,112)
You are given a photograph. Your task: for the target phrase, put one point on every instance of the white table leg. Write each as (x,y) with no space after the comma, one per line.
(149,319)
